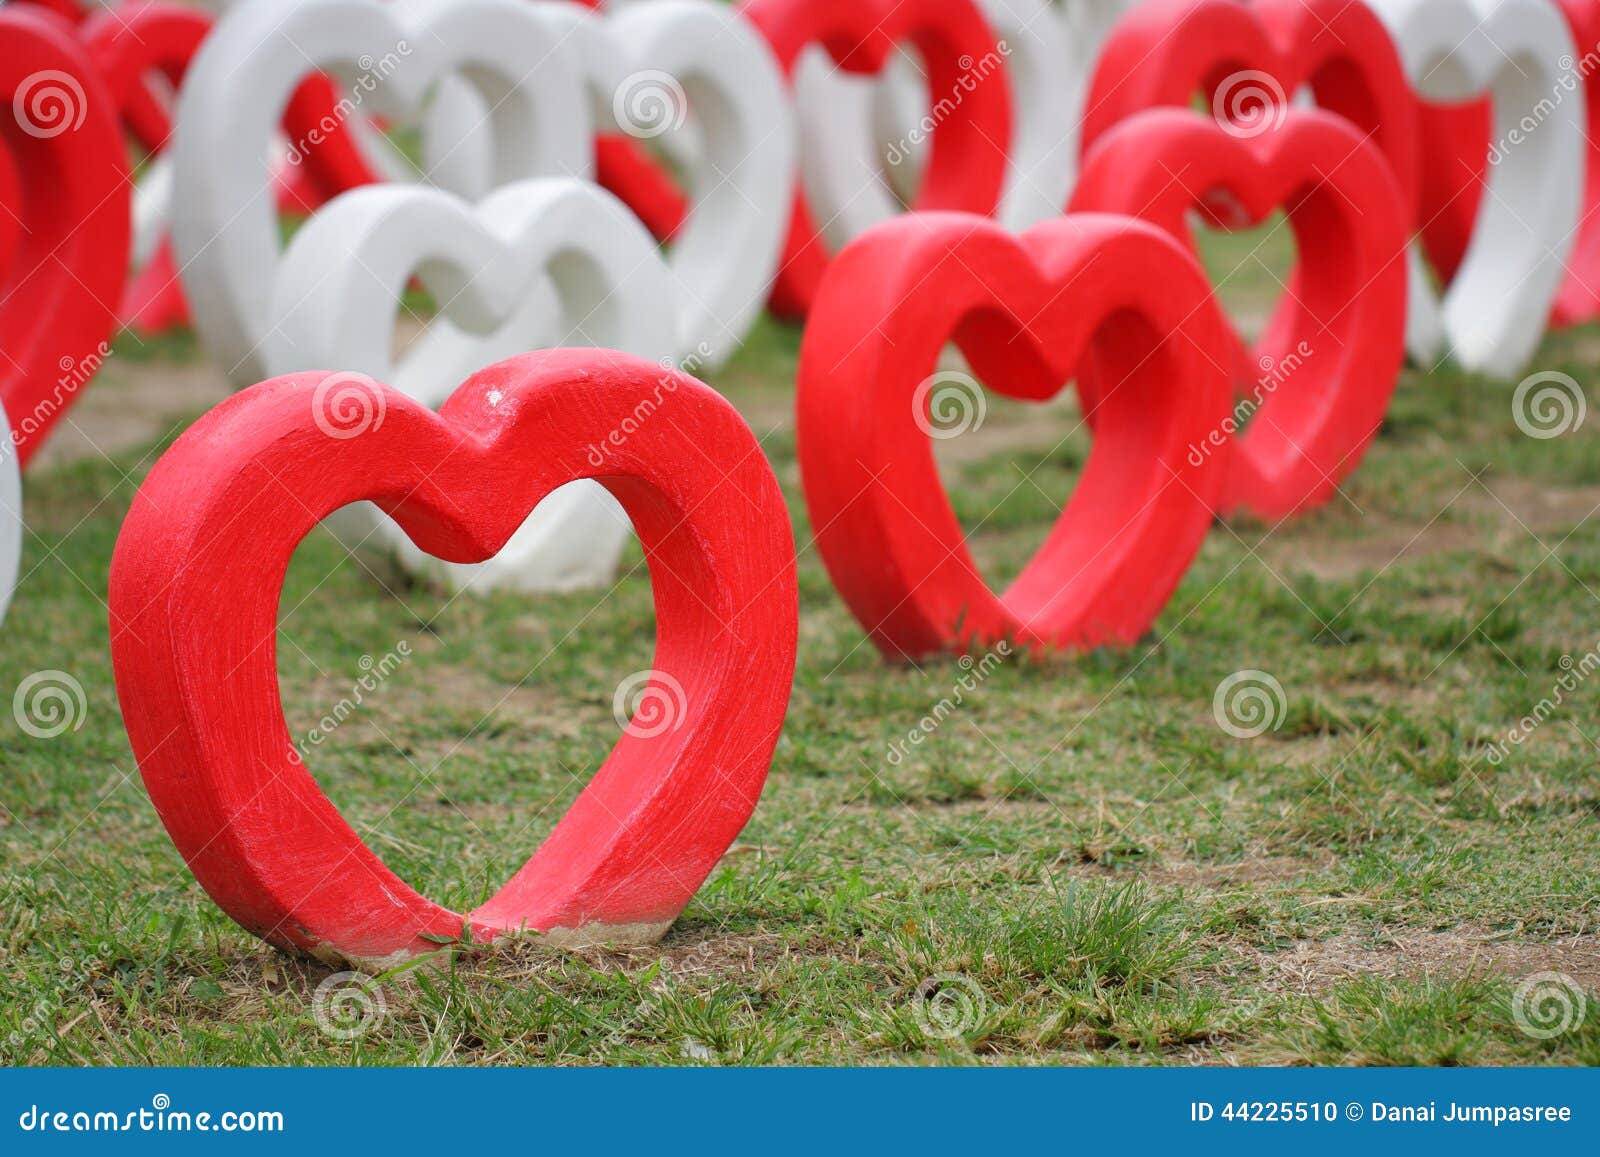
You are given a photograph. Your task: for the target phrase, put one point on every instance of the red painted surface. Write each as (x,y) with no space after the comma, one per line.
(1456,141)
(1164,52)
(1081,293)
(64,224)
(967,158)
(194,591)
(1321,377)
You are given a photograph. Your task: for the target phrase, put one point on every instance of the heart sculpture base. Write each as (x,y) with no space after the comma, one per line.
(194,594)
(1027,312)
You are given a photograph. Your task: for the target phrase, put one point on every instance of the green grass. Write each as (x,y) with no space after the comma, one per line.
(1078,866)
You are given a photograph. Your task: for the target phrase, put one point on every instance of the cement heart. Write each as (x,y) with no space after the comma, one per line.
(10,515)
(539,263)
(648,69)
(1028,312)
(64,221)
(1517,53)
(845,122)
(386,55)
(967,154)
(1322,375)
(195,587)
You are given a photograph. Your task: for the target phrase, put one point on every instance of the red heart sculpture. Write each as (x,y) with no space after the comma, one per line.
(1330,360)
(195,585)
(1027,312)
(1455,152)
(1247,59)
(967,159)
(136,42)
(64,221)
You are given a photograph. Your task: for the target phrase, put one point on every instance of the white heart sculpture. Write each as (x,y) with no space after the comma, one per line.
(689,73)
(1519,54)
(541,263)
(225,230)
(843,117)
(10,515)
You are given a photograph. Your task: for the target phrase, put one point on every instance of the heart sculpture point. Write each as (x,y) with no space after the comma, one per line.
(969,148)
(64,222)
(1028,312)
(10,516)
(1321,377)
(195,585)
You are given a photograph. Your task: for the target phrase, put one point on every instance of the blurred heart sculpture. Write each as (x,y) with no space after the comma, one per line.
(843,117)
(648,68)
(553,262)
(1081,292)
(1518,54)
(1457,170)
(968,151)
(195,586)
(1323,373)
(10,515)
(64,222)
(1247,61)
(389,56)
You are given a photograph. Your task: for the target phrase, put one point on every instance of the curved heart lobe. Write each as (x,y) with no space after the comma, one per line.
(1028,313)
(1322,375)
(194,593)
(64,222)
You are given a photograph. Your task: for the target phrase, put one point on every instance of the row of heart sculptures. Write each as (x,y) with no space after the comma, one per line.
(783,200)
